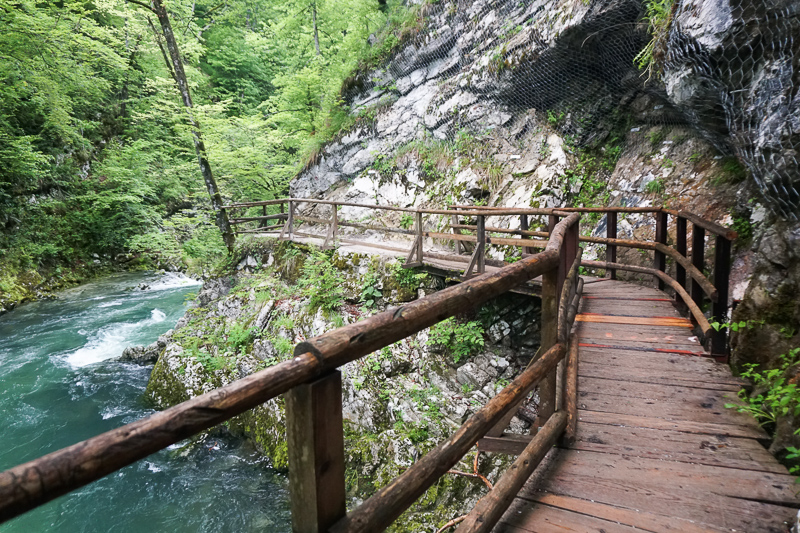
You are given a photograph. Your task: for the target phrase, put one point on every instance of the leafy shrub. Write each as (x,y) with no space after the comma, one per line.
(321,283)
(460,339)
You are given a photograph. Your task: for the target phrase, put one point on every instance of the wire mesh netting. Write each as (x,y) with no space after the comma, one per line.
(729,71)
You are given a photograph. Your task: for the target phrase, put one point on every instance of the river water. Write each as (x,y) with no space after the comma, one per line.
(59,385)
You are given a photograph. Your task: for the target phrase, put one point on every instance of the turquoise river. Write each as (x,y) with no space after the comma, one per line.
(60,383)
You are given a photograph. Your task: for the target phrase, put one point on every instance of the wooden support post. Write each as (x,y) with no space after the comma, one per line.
(315,439)
(698,258)
(290,220)
(611,249)
(547,387)
(722,270)
(680,246)
(660,260)
(571,391)
(419,240)
(480,249)
(524,226)
(333,228)
(263,214)
(456,231)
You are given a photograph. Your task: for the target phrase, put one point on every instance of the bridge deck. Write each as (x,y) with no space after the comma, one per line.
(656,449)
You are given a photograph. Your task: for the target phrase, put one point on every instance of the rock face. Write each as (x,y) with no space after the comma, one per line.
(538,103)
(397,403)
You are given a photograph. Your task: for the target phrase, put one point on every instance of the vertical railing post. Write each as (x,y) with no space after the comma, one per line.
(611,233)
(525,226)
(290,220)
(680,246)
(551,289)
(333,228)
(698,258)
(456,231)
(419,236)
(315,440)
(722,270)
(263,223)
(660,258)
(481,266)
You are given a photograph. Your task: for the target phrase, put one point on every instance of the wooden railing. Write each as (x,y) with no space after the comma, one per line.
(312,382)
(701,289)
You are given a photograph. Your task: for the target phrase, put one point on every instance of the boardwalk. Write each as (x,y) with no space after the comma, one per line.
(656,449)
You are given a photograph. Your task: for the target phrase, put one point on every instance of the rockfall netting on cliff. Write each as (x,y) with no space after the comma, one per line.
(727,69)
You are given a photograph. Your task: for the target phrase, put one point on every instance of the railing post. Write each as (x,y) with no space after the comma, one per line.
(660,260)
(722,269)
(698,258)
(263,223)
(524,226)
(315,440)
(333,228)
(454,222)
(290,220)
(419,237)
(680,246)
(611,249)
(547,387)
(481,267)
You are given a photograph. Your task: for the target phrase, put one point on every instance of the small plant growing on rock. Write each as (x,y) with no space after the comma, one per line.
(321,283)
(460,339)
(406,221)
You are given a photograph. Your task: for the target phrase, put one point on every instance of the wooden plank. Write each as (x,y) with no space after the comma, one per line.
(629,308)
(710,411)
(660,377)
(677,477)
(656,361)
(706,495)
(635,320)
(662,392)
(668,445)
(639,518)
(686,426)
(541,518)
(619,332)
(507,443)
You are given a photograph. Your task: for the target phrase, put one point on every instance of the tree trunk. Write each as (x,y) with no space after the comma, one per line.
(199,147)
(316,31)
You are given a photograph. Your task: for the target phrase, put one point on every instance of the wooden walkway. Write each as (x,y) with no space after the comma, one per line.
(656,450)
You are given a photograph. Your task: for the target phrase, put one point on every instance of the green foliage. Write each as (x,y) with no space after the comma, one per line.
(369,292)
(778,396)
(460,339)
(655,187)
(406,221)
(408,278)
(658,14)
(321,282)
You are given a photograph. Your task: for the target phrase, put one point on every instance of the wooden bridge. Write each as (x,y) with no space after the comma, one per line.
(629,389)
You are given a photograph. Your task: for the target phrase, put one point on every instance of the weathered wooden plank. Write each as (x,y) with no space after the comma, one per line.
(686,426)
(711,411)
(680,393)
(680,477)
(694,368)
(635,320)
(540,518)
(660,377)
(629,308)
(639,518)
(694,497)
(668,445)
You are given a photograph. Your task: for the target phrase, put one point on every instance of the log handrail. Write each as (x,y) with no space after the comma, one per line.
(701,286)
